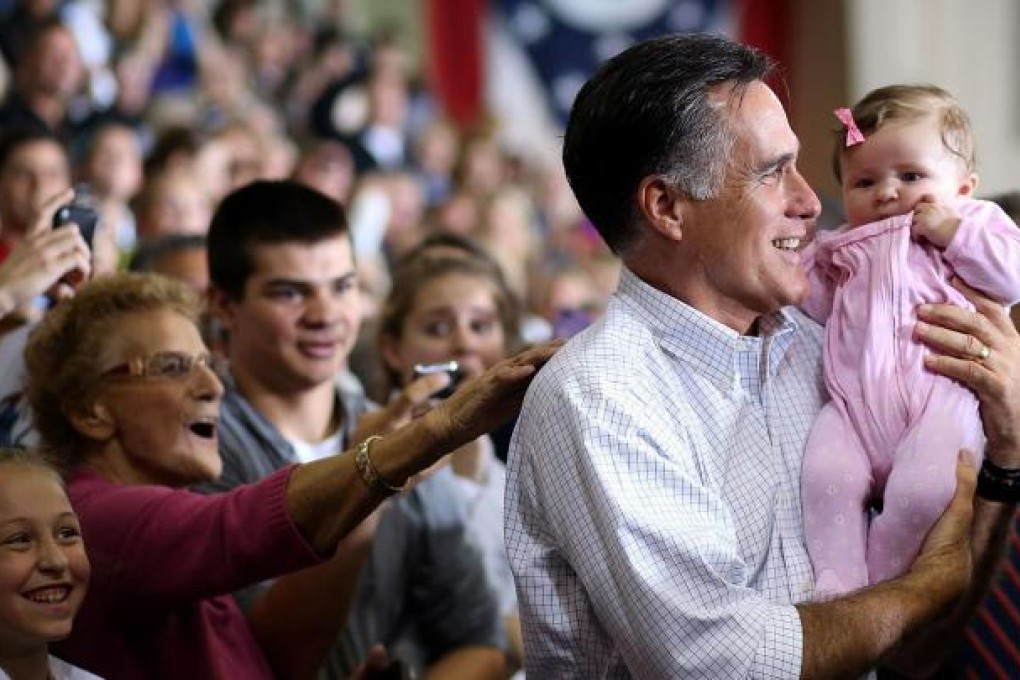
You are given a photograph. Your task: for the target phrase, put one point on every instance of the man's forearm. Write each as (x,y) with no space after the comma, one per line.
(297,620)
(848,636)
(924,652)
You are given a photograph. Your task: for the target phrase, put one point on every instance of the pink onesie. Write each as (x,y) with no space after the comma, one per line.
(893,429)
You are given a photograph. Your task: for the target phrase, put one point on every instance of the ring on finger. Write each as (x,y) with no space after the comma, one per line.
(984,353)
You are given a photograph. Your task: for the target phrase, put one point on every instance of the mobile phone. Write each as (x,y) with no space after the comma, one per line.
(452,368)
(82,210)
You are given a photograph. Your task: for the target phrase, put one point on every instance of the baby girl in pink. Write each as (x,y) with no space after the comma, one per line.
(890,437)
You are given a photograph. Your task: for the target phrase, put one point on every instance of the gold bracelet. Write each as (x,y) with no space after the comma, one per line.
(369,474)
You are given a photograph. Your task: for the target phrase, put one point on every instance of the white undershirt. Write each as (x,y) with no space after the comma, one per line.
(306,453)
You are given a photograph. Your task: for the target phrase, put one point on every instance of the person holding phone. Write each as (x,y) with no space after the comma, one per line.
(452,312)
(45,266)
(45,262)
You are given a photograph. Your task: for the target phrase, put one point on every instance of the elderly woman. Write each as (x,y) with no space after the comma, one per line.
(124,398)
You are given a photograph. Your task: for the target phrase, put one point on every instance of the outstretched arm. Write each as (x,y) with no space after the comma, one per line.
(328,501)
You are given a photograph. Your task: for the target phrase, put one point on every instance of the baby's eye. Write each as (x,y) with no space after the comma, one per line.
(912,177)
(863,183)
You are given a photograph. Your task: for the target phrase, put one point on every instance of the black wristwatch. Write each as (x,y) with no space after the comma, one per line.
(998,484)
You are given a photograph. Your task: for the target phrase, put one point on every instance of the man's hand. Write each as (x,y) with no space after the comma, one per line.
(959,338)
(935,222)
(847,636)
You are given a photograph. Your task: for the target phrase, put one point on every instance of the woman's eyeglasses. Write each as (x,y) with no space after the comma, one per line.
(169,364)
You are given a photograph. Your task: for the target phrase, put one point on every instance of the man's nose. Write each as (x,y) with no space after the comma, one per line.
(805,200)
(320,308)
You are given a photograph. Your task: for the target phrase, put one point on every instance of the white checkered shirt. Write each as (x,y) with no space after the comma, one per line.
(653,497)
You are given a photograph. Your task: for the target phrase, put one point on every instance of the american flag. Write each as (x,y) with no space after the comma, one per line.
(560,42)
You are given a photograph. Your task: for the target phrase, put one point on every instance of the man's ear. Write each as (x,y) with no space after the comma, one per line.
(221,306)
(661,204)
(95,422)
(969,185)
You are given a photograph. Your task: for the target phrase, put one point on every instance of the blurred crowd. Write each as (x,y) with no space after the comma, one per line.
(163,107)
(301,180)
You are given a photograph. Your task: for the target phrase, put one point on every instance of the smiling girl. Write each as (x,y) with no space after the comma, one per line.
(43,569)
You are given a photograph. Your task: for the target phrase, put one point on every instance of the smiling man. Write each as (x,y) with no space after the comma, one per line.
(284,286)
(654,520)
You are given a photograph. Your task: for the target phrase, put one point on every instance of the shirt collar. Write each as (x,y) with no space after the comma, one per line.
(350,404)
(707,346)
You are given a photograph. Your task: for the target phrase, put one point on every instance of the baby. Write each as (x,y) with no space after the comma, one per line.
(889,439)
(43,569)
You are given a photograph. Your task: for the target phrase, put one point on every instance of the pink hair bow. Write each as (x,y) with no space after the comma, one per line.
(853,133)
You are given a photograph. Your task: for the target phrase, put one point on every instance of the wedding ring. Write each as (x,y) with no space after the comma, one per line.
(985,352)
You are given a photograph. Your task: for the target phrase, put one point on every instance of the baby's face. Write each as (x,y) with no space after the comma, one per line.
(896,166)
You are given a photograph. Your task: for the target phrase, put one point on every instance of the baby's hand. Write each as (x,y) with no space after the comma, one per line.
(935,222)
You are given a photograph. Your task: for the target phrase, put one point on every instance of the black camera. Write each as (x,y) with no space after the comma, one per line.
(82,210)
(452,368)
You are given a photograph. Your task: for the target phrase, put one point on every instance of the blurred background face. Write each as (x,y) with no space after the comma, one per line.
(177,205)
(327,167)
(114,168)
(189,265)
(212,168)
(572,291)
(438,149)
(454,316)
(54,66)
(388,101)
(35,172)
